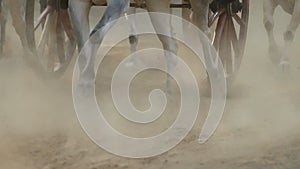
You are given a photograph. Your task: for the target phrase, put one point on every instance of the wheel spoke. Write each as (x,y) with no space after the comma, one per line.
(215,16)
(60,39)
(235,45)
(43,41)
(234,38)
(225,48)
(52,42)
(219,31)
(238,19)
(43,16)
(244,28)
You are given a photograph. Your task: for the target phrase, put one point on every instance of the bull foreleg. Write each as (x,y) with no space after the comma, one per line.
(133,39)
(163,27)
(113,11)
(269,7)
(79,12)
(66,23)
(290,34)
(3,19)
(15,7)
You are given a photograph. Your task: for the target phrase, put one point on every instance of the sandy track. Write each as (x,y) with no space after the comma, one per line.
(260,128)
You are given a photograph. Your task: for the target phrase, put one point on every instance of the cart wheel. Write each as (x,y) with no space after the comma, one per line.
(54,43)
(230,34)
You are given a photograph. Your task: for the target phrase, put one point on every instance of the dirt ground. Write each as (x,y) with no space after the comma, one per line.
(260,128)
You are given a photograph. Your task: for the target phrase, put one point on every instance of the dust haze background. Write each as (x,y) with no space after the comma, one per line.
(260,128)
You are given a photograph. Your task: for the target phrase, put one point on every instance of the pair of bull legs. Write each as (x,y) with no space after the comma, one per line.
(278,56)
(79,13)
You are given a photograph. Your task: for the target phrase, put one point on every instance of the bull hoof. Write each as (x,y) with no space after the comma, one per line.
(86,87)
(130,64)
(70,49)
(205,88)
(57,67)
(275,54)
(284,66)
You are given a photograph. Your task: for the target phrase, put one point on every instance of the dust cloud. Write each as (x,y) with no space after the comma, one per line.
(260,128)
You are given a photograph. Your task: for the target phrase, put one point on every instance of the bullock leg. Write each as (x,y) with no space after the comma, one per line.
(269,7)
(200,15)
(133,38)
(200,19)
(79,12)
(18,22)
(187,15)
(164,26)
(66,23)
(290,34)
(113,11)
(3,32)
(3,19)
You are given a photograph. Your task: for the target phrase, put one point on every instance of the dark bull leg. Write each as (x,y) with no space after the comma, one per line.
(62,7)
(18,22)
(67,28)
(2,27)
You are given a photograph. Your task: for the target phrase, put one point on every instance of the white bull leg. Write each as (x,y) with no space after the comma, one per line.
(269,7)
(113,11)
(133,39)
(200,19)
(79,13)
(15,7)
(66,23)
(161,25)
(187,15)
(290,34)
(200,15)
(3,20)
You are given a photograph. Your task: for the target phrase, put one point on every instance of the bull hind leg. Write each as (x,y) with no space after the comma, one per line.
(165,36)
(290,34)
(269,7)
(200,19)
(70,44)
(3,19)
(15,7)
(200,15)
(79,13)
(133,37)
(113,11)
(2,38)
(187,15)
